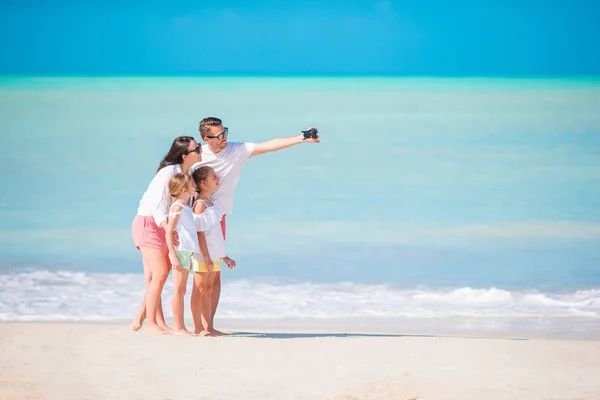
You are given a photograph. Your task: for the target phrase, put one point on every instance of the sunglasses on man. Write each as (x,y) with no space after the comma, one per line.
(220,136)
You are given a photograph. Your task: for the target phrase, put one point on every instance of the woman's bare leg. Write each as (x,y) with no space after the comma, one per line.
(157,264)
(141,315)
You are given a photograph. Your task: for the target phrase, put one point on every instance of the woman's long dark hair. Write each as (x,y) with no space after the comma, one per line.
(178,149)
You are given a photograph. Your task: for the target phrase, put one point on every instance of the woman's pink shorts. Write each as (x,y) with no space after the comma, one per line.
(146,233)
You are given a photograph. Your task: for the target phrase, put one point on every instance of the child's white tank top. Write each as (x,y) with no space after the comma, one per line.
(186,228)
(209,222)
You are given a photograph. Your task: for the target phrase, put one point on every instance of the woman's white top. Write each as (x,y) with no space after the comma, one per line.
(209,222)
(185,227)
(156,199)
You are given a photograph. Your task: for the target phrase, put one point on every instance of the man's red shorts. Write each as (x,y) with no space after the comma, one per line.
(223,226)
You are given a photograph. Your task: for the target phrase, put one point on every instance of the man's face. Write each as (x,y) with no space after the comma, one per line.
(216,137)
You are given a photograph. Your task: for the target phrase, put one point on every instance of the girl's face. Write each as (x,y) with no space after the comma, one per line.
(191,188)
(211,182)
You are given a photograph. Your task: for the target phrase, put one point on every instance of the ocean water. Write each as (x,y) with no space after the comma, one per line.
(427,198)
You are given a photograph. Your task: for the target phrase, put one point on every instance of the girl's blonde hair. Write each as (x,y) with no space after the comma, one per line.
(200,174)
(178,183)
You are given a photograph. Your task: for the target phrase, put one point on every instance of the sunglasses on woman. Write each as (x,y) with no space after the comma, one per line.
(220,136)
(194,150)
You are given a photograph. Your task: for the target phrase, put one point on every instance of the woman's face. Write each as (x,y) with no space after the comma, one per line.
(193,154)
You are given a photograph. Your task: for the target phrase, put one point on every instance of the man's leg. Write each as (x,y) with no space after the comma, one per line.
(216,293)
(216,289)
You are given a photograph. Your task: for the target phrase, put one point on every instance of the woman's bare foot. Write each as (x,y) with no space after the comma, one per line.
(136,325)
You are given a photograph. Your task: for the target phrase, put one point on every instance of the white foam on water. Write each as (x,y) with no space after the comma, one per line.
(81,296)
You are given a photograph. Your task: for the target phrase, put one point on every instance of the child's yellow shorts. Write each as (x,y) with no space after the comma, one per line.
(201,267)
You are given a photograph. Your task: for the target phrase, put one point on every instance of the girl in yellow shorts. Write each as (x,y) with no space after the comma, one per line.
(207,263)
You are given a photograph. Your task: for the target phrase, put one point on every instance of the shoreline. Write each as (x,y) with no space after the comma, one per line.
(563,328)
(90,361)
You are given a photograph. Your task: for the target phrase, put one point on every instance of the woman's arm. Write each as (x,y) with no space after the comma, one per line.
(159,195)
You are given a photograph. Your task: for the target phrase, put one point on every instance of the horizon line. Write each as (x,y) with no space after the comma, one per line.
(291,75)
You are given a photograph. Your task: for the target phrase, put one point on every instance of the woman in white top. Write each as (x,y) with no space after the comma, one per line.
(207,216)
(148,229)
(181,220)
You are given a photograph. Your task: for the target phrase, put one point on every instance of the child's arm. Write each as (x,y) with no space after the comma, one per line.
(169,236)
(230,263)
(199,208)
(204,251)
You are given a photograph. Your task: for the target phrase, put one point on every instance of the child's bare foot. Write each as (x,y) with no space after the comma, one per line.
(183,332)
(156,329)
(166,328)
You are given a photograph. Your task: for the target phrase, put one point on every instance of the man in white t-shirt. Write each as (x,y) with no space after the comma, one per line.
(227,159)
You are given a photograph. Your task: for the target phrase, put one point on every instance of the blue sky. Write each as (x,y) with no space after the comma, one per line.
(435,38)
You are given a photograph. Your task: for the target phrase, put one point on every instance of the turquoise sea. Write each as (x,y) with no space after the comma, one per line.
(427,197)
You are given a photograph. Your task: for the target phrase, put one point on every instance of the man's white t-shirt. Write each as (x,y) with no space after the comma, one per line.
(227,164)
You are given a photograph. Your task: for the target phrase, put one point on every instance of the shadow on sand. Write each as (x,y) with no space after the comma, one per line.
(274,335)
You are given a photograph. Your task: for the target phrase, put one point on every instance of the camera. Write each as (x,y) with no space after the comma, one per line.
(312,133)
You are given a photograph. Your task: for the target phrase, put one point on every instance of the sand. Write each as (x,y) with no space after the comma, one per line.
(108,361)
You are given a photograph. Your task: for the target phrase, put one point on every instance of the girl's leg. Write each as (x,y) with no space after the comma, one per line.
(179,285)
(205,288)
(216,294)
(196,302)
(213,286)
(157,264)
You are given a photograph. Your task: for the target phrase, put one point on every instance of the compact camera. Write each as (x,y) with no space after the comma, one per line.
(312,133)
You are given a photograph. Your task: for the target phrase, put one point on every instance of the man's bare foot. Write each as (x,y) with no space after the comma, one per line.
(215,332)
(205,333)
(183,332)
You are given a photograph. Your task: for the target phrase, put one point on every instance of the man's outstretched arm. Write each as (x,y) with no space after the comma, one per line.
(279,144)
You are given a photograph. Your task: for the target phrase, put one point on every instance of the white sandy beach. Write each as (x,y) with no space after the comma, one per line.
(108,361)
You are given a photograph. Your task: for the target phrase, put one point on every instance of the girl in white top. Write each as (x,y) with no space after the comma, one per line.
(148,230)
(181,220)
(207,264)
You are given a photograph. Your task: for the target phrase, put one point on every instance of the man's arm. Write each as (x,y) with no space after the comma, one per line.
(279,144)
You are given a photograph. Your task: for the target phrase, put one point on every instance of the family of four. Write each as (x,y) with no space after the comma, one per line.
(181,223)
